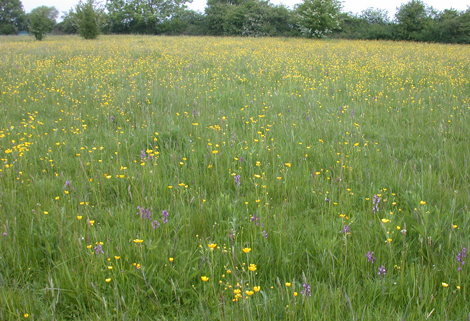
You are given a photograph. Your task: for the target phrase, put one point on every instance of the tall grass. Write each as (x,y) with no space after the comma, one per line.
(138,172)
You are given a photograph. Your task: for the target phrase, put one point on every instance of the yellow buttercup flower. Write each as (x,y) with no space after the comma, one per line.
(204,278)
(247,250)
(252,267)
(212,246)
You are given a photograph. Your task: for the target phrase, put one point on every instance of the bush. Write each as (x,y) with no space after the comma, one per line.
(42,20)
(88,19)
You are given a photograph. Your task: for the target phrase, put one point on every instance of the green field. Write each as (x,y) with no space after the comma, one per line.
(185,178)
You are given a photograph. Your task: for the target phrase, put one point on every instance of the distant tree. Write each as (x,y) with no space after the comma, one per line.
(12,17)
(283,20)
(88,19)
(234,19)
(375,16)
(464,25)
(413,17)
(251,18)
(141,16)
(351,26)
(215,14)
(318,18)
(450,26)
(414,21)
(42,20)
(190,22)
(67,25)
(181,21)
(264,19)
(377,25)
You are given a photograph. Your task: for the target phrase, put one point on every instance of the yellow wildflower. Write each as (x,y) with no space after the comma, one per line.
(252,267)
(212,246)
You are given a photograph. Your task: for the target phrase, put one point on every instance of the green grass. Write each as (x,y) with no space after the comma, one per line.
(92,130)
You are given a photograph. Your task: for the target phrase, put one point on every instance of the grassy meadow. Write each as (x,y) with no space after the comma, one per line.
(160,178)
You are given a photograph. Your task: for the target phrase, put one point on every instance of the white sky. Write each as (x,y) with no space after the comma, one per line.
(354,6)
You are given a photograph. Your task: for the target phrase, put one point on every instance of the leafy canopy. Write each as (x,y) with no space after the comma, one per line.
(88,16)
(11,17)
(318,18)
(42,20)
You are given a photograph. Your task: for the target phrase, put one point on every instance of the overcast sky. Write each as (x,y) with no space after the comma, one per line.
(354,6)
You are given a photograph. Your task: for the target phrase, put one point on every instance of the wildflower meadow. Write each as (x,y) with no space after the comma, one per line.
(198,178)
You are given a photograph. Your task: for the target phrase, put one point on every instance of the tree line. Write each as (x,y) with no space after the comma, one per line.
(413,21)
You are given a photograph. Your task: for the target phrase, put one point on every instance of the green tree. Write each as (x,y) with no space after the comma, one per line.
(42,20)
(88,17)
(215,14)
(413,18)
(252,18)
(318,18)
(351,26)
(184,21)
(12,17)
(450,26)
(283,20)
(67,25)
(377,25)
(464,25)
(141,16)
(375,16)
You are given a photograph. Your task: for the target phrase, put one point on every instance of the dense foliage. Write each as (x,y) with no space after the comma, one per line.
(318,18)
(141,16)
(413,21)
(12,17)
(42,20)
(88,17)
